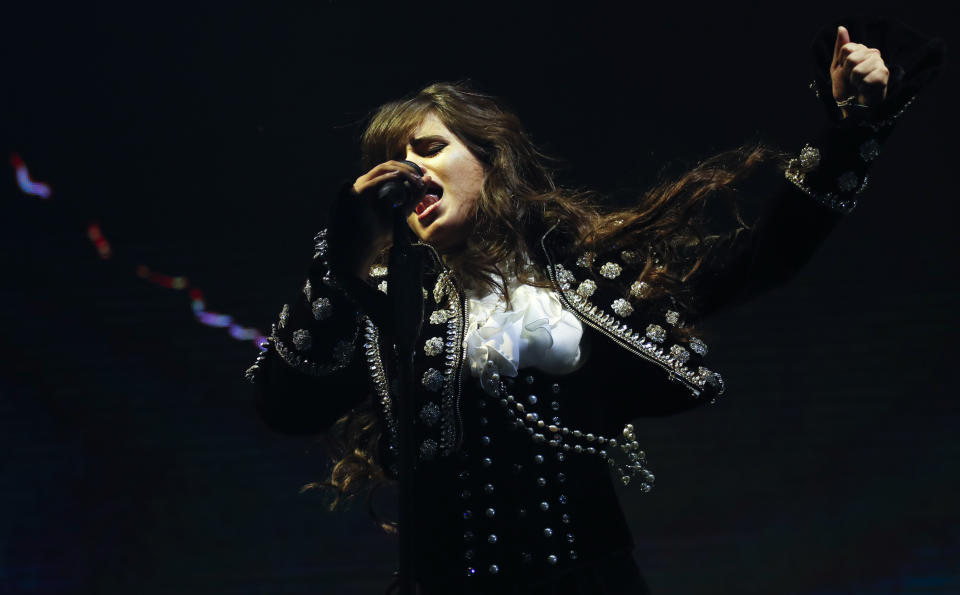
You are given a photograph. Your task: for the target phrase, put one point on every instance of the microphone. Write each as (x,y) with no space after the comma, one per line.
(398,192)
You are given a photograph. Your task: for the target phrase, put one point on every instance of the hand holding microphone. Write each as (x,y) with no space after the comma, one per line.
(392,182)
(377,194)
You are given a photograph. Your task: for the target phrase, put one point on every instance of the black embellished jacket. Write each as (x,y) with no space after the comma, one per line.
(517,487)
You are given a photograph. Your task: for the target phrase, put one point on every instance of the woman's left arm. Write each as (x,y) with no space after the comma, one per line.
(823,182)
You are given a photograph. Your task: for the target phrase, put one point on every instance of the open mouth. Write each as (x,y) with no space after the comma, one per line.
(432,194)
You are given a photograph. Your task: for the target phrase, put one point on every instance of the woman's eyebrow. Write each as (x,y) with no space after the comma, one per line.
(423,139)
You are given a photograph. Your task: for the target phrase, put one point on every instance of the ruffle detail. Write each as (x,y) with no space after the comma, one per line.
(536,332)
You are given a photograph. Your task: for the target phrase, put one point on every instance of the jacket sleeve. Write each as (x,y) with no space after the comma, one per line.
(310,371)
(323,357)
(821,184)
(812,193)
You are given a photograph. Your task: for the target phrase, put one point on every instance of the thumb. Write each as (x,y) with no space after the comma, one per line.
(843,38)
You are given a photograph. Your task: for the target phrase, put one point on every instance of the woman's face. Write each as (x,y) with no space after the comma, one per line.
(445,216)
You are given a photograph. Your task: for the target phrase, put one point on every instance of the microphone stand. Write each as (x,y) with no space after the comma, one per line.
(404,283)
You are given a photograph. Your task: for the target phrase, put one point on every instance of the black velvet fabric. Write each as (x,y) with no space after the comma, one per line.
(540,502)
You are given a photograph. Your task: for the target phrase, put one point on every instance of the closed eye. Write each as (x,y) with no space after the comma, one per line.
(428,146)
(432,150)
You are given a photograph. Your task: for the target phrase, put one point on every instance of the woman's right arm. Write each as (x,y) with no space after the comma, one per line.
(314,368)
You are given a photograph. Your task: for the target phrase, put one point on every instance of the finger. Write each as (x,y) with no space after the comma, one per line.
(378,180)
(409,166)
(377,170)
(870,63)
(405,171)
(386,167)
(843,38)
(859,73)
(879,76)
(852,51)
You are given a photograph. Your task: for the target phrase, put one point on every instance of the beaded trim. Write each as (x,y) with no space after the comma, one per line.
(848,183)
(378,375)
(577,441)
(342,355)
(643,345)
(877,127)
(453,347)
(252,371)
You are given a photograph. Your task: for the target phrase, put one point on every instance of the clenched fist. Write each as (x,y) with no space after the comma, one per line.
(858,73)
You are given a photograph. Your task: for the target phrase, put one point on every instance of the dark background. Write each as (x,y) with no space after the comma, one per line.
(206,139)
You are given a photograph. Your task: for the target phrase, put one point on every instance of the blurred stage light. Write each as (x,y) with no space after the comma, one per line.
(27,185)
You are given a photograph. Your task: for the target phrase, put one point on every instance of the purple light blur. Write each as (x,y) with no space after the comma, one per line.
(27,185)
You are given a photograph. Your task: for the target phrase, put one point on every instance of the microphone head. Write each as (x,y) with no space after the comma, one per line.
(399,192)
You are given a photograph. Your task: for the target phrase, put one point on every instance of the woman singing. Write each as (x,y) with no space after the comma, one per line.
(550,320)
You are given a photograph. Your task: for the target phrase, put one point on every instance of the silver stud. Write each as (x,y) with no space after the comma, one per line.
(486,461)
(492,538)
(552,560)
(622,307)
(544,506)
(548,532)
(640,289)
(485,440)
(538,459)
(656,333)
(532,399)
(490,513)
(494,569)
(869,150)
(610,270)
(433,346)
(847,181)
(468,535)
(541,481)
(809,157)
(488,488)
(302,340)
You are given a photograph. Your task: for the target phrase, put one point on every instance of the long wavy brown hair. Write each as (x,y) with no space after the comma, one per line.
(520,201)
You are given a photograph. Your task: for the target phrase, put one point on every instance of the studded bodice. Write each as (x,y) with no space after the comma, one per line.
(507,507)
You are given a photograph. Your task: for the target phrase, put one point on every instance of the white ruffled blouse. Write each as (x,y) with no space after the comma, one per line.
(535,333)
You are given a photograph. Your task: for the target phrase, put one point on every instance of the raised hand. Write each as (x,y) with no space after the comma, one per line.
(858,74)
